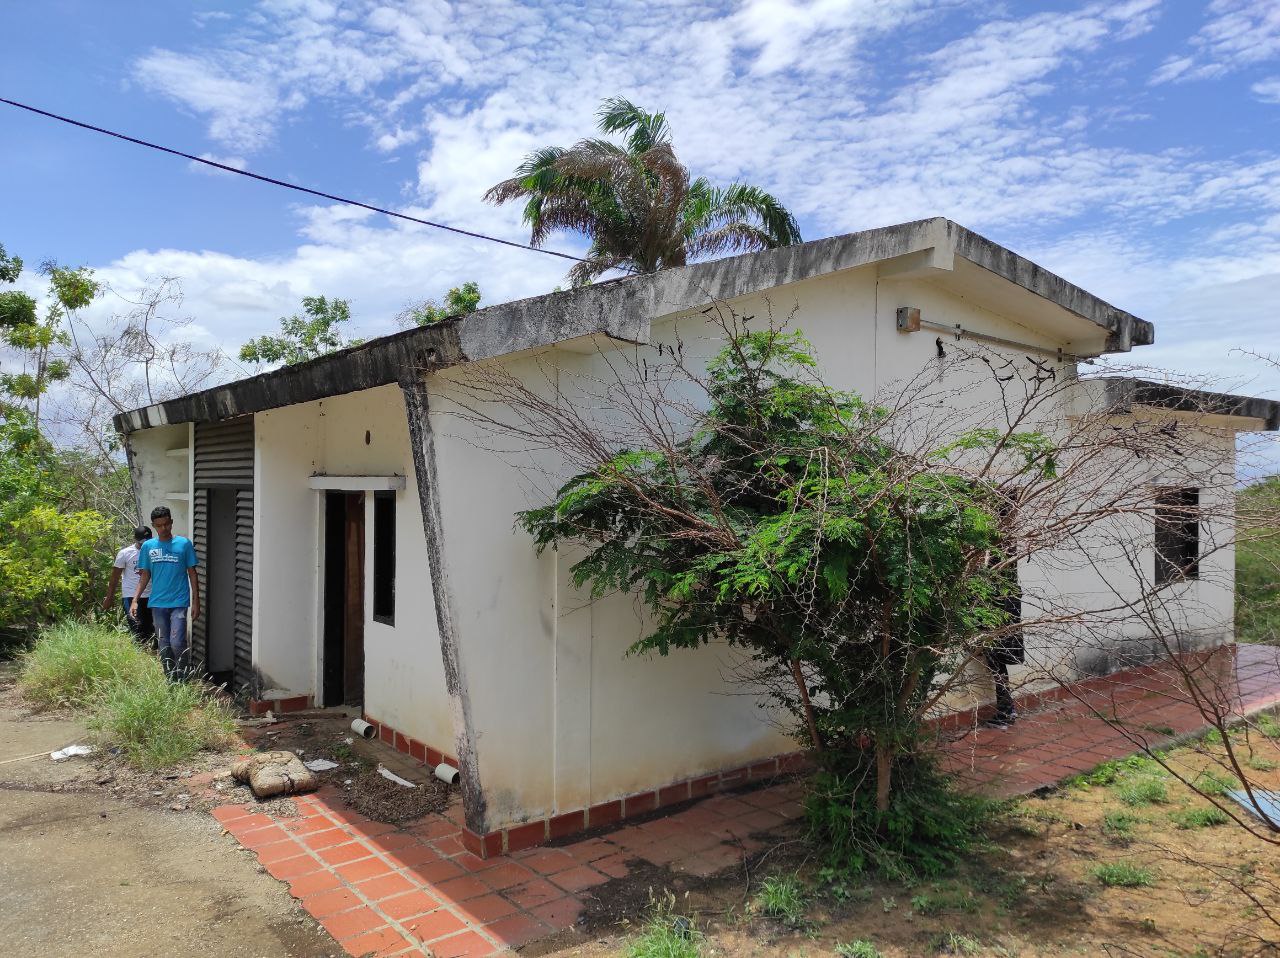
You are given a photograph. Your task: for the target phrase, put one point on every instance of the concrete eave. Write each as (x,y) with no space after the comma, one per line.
(623,310)
(1123,394)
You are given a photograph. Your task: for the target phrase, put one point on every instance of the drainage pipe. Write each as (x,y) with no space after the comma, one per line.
(363,728)
(447,774)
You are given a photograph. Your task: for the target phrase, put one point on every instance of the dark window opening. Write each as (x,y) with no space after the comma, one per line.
(384,557)
(1177,534)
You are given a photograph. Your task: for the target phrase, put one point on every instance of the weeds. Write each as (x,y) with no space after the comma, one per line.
(1199,817)
(940,901)
(72,662)
(1214,784)
(954,943)
(1142,791)
(156,722)
(1123,875)
(667,935)
(1260,764)
(1119,824)
(1267,724)
(862,948)
(782,897)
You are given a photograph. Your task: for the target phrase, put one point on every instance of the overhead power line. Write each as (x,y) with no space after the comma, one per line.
(285,183)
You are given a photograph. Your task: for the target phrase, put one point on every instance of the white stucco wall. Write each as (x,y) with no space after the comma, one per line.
(162,473)
(404,674)
(562,719)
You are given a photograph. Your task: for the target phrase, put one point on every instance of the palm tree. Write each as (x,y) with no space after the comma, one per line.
(636,201)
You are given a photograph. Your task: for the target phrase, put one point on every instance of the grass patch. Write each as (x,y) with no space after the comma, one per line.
(1257,558)
(1119,824)
(157,723)
(782,897)
(944,900)
(667,936)
(1267,725)
(1124,875)
(862,948)
(954,943)
(1260,764)
(1199,817)
(1110,773)
(1214,783)
(72,663)
(1142,791)
(95,668)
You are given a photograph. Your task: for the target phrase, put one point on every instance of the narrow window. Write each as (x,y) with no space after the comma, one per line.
(384,557)
(1177,534)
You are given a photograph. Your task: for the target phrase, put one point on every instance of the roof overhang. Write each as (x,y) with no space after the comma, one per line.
(1254,414)
(624,310)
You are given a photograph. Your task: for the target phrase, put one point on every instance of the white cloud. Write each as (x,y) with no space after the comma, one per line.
(1235,34)
(1268,91)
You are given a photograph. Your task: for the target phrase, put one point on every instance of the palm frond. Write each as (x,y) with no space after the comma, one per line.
(644,130)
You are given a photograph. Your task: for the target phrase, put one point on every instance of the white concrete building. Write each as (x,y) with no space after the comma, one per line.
(359,542)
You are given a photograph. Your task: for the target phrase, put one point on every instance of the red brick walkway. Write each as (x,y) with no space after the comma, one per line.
(382,890)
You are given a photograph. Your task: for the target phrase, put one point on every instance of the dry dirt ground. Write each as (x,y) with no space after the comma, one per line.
(1031,893)
(88,871)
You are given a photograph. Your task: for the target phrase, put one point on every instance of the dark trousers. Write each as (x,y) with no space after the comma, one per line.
(999,667)
(143,629)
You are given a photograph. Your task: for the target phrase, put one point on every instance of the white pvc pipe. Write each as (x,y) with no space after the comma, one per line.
(447,774)
(363,728)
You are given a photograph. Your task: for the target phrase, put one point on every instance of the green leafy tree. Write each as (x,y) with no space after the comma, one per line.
(35,339)
(54,553)
(459,301)
(302,337)
(851,571)
(636,201)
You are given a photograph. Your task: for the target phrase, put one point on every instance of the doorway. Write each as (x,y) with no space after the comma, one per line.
(344,598)
(219,587)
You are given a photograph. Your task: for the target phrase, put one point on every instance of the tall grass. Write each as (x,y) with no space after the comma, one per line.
(100,670)
(157,723)
(72,662)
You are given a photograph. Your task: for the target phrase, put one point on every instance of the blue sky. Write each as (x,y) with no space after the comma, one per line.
(1132,146)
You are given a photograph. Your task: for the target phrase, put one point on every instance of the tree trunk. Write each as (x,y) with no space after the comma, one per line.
(884,774)
(809,721)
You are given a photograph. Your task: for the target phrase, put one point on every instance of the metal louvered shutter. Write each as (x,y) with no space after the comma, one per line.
(200,539)
(224,460)
(244,587)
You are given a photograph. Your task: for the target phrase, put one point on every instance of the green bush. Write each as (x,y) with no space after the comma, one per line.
(1123,875)
(1258,563)
(1267,725)
(782,897)
(927,829)
(156,722)
(72,662)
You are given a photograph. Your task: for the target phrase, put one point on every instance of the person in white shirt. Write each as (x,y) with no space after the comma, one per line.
(124,577)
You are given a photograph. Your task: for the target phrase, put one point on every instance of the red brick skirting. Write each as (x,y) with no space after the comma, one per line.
(294,703)
(418,751)
(514,838)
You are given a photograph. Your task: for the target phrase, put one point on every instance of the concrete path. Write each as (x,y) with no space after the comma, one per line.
(83,873)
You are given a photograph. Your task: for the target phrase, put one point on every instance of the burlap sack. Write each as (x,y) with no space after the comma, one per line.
(274,773)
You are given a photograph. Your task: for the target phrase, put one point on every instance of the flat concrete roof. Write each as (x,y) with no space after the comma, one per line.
(624,308)
(1123,393)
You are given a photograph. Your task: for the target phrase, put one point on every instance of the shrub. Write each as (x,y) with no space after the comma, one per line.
(1142,791)
(782,897)
(156,722)
(954,943)
(926,830)
(1123,875)
(1199,817)
(1267,725)
(861,948)
(72,662)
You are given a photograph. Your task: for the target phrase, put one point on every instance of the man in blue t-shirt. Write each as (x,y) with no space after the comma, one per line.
(167,563)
